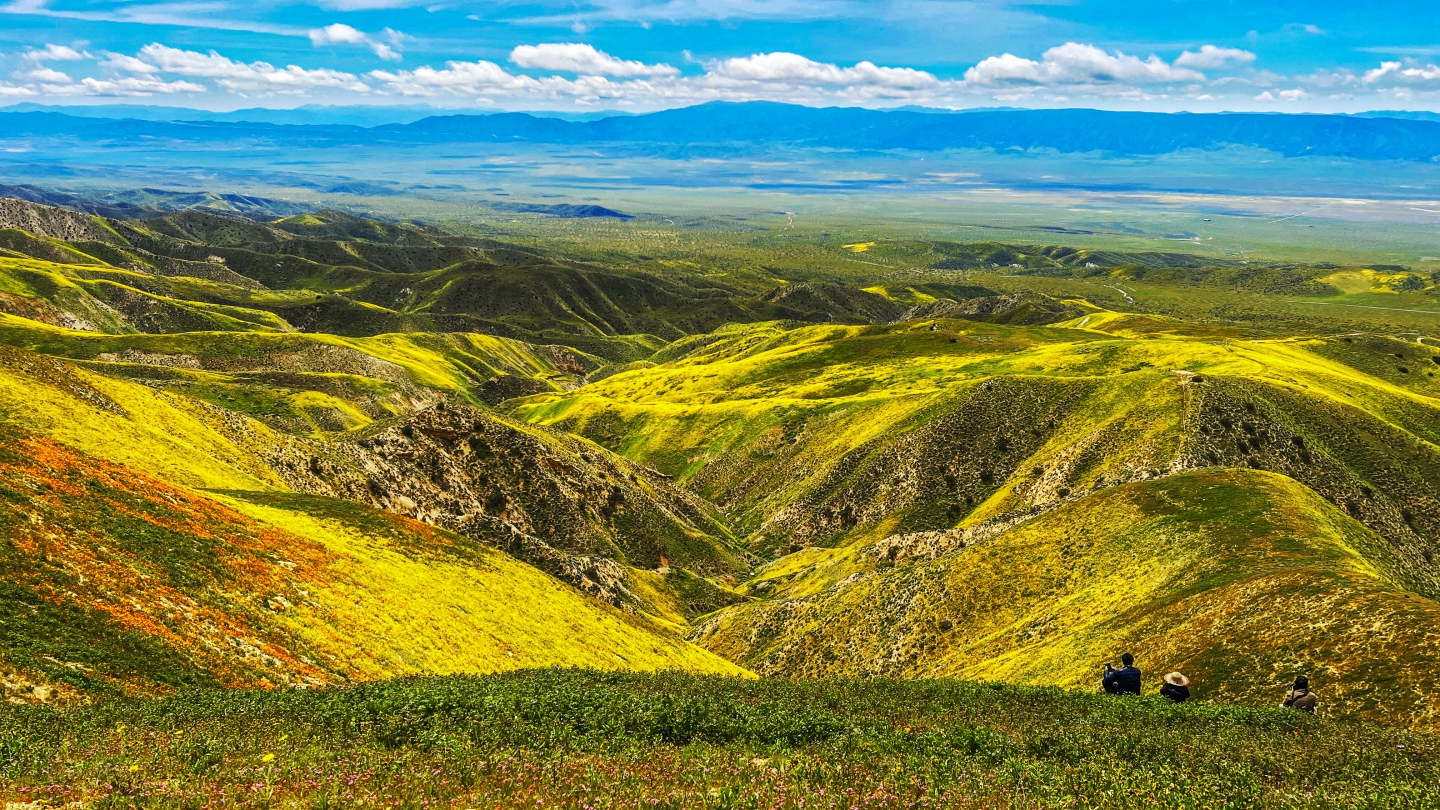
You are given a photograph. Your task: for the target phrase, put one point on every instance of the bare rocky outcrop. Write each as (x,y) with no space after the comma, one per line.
(56,223)
(1019,308)
(562,504)
(38,309)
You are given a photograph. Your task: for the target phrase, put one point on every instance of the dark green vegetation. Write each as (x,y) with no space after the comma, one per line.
(579,739)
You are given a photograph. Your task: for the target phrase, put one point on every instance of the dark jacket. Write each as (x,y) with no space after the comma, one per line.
(1302,699)
(1175,692)
(1123,681)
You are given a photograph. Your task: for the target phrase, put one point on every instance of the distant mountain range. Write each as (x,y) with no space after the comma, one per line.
(1373,136)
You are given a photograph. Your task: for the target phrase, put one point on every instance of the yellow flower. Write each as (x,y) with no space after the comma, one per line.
(120,729)
(284,737)
(134,768)
(267,757)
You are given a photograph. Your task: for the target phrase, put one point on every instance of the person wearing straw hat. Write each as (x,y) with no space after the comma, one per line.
(1176,688)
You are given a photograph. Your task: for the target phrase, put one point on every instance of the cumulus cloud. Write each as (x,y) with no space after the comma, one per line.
(1211,57)
(1076,64)
(386,46)
(47,82)
(128,86)
(43,75)
(792,68)
(773,76)
(575,57)
(55,53)
(120,63)
(1385,69)
(558,75)
(1427,73)
(456,78)
(369,5)
(254,77)
(337,34)
(41,80)
(1397,71)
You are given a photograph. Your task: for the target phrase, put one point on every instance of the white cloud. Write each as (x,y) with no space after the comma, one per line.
(575,57)
(1397,71)
(386,46)
(1210,57)
(56,53)
(776,77)
(43,75)
(255,77)
(137,85)
(791,68)
(1427,73)
(44,81)
(1294,95)
(368,5)
(1385,69)
(457,78)
(1076,64)
(119,62)
(1265,96)
(337,34)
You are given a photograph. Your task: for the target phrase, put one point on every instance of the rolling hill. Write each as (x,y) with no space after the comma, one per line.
(990,479)
(321,448)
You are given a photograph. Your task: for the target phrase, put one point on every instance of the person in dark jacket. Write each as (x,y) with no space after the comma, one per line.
(1176,688)
(1122,681)
(1300,697)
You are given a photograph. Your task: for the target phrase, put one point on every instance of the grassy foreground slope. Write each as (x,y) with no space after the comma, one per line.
(586,739)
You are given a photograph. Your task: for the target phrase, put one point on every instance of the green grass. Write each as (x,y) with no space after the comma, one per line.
(579,739)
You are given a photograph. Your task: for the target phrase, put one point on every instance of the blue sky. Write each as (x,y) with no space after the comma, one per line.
(648,54)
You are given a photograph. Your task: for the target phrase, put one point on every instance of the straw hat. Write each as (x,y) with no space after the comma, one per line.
(1177,679)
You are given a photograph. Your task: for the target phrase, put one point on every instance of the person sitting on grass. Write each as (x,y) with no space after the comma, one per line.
(1123,681)
(1176,688)
(1300,697)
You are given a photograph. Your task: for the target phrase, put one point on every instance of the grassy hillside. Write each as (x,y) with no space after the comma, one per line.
(341,274)
(586,739)
(814,454)
(363,594)
(1037,473)
(118,582)
(315,384)
(1240,579)
(812,435)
